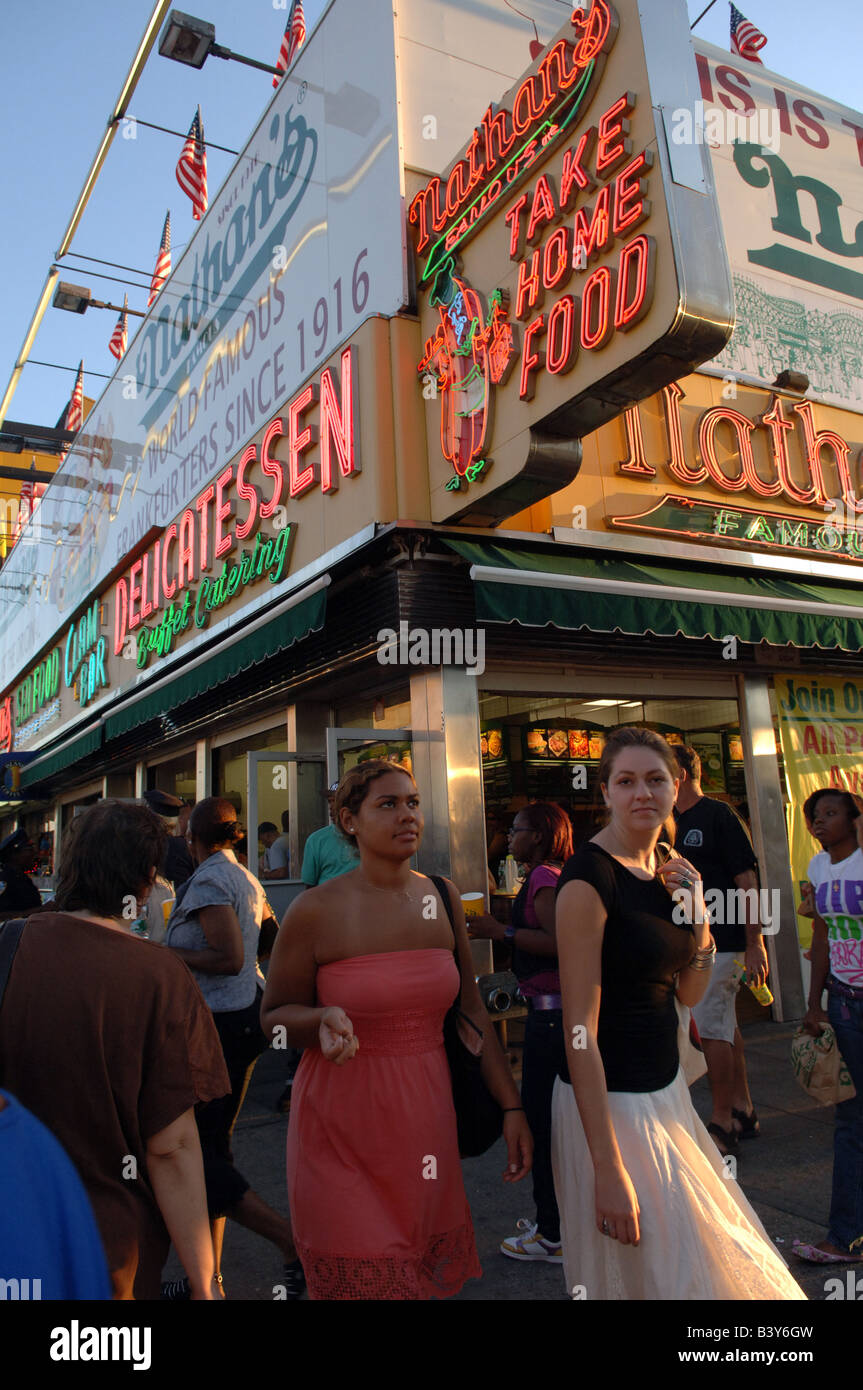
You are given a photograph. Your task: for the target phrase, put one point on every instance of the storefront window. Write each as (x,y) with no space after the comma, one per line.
(538,748)
(229,780)
(175,775)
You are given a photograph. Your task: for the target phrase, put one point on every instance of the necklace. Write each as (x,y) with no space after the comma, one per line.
(393,892)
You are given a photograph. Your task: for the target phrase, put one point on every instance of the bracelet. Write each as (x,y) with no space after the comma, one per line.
(512,1109)
(704,957)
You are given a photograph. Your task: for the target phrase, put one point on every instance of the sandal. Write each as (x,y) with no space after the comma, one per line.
(814,1256)
(725,1136)
(749,1126)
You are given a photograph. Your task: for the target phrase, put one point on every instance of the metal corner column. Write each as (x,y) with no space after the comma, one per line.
(769,832)
(447,767)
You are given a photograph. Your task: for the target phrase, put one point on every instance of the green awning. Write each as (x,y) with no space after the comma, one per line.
(546,585)
(284,629)
(52,763)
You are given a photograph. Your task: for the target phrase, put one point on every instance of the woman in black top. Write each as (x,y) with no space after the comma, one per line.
(658,1217)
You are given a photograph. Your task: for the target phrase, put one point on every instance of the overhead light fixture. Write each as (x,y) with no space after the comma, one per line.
(78,299)
(188,40)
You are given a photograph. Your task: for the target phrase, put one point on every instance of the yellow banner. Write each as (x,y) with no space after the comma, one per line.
(821,730)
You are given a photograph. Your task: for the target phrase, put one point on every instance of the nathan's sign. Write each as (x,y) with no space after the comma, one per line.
(768,471)
(564,275)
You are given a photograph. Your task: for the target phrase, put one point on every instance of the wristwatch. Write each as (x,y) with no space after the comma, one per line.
(509,932)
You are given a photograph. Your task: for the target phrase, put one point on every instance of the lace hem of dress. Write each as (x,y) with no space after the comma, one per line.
(439,1271)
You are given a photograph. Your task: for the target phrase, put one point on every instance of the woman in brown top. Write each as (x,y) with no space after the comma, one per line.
(106,1039)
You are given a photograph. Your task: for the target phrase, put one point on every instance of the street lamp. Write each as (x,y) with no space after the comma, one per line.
(77,299)
(190,41)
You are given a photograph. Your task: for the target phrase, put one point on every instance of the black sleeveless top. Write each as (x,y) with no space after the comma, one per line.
(642,951)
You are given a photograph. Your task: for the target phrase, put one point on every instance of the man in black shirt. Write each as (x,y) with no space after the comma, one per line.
(714,839)
(20,896)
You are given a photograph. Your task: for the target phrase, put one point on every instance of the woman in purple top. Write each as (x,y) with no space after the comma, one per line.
(541,839)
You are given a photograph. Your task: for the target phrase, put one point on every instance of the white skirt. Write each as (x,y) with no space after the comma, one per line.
(700,1238)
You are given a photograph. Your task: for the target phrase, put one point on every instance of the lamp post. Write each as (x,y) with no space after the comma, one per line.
(191,41)
(78,299)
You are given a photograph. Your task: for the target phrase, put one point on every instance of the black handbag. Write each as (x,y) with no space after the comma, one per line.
(479,1118)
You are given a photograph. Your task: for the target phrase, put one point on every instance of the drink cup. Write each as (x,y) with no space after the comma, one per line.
(168,908)
(473,904)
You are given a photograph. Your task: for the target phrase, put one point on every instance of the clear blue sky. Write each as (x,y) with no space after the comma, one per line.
(60,73)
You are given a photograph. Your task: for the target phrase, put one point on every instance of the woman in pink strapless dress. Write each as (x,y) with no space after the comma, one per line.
(362,975)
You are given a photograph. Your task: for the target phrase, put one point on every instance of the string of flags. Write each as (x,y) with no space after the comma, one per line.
(191,175)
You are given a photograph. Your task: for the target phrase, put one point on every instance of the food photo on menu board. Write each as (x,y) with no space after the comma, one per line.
(734,744)
(709,749)
(491,745)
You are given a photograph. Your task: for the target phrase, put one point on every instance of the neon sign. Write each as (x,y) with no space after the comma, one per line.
(509,141)
(7,732)
(232,508)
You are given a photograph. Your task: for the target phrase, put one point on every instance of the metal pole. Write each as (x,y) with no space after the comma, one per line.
(701,16)
(132,78)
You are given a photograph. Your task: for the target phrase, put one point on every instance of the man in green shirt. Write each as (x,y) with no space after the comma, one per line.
(327,853)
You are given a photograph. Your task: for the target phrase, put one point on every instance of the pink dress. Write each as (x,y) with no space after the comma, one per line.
(374,1177)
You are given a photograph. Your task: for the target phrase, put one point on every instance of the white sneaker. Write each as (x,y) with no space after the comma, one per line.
(530,1245)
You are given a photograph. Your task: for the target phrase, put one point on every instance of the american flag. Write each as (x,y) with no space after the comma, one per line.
(120,336)
(745,38)
(292,40)
(75,409)
(192,167)
(163,261)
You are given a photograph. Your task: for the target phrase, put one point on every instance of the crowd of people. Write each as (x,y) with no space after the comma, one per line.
(124,1061)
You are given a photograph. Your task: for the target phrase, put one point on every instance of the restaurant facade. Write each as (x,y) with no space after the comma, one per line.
(469,426)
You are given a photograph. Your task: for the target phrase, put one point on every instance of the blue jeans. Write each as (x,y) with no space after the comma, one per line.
(846,1206)
(544,1055)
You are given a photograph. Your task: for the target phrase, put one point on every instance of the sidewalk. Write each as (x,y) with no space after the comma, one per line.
(786,1175)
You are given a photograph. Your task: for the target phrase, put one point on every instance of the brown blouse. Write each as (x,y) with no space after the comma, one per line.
(107,1040)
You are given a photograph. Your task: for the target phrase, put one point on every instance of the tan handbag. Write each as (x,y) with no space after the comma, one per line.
(819,1067)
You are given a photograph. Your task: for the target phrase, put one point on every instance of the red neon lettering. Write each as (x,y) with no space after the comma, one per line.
(271,466)
(543,209)
(742,428)
(634,282)
(557,259)
(496,131)
(595,27)
(779,427)
(249,494)
(561,344)
(630,206)
(426,211)
(157,601)
(815,442)
(527,108)
(513,218)
(146,605)
(170,535)
(225,511)
(574,176)
(300,480)
(565,76)
(338,425)
(527,293)
(186,548)
(531,359)
(457,187)
(121,608)
(134,594)
(201,506)
(596,323)
(612,146)
(591,229)
(671,397)
(635,464)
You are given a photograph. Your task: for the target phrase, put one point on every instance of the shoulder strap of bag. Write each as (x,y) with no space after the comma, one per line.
(10,935)
(445,899)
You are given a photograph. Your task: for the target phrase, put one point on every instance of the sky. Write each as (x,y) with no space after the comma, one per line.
(61,69)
